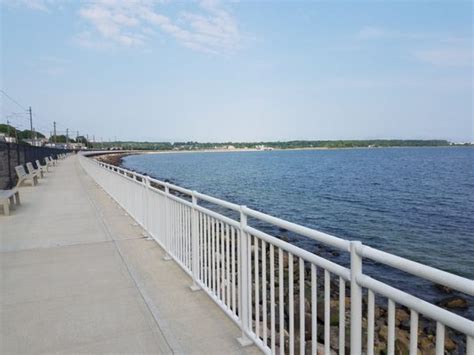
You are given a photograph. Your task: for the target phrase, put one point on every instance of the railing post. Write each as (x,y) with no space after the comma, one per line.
(195,243)
(244,340)
(356,299)
(167,239)
(146,208)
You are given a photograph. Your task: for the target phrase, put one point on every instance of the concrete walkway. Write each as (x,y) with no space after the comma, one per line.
(77,276)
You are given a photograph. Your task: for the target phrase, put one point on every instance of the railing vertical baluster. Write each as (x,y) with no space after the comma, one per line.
(243,280)
(356,299)
(469,345)
(314,310)
(257,295)
(206,250)
(195,259)
(189,237)
(302,307)
(391,328)
(209,252)
(370,322)
(342,316)
(272,297)
(174,234)
(327,312)
(213,264)
(146,208)
(281,301)
(201,247)
(264,292)
(291,303)
(178,230)
(249,281)
(233,250)
(218,259)
(413,332)
(227,258)
(440,330)
(222,261)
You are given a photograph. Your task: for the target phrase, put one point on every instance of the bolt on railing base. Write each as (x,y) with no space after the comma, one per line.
(244,341)
(167,257)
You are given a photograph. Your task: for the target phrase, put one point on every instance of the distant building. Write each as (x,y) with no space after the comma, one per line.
(36,142)
(262,147)
(5,138)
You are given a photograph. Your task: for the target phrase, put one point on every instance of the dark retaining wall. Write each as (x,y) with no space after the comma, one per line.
(12,154)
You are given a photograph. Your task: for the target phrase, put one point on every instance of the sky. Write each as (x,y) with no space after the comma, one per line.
(239,70)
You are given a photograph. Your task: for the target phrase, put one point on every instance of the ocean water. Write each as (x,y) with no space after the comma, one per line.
(417,203)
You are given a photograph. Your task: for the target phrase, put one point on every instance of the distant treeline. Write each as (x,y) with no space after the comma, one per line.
(11,131)
(300,144)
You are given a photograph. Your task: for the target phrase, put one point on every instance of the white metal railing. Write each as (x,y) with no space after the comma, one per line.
(269,287)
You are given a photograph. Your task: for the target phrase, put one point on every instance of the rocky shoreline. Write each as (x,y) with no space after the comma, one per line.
(454,342)
(113,158)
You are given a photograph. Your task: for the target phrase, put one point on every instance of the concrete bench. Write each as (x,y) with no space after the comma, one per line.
(7,198)
(44,168)
(23,176)
(50,161)
(31,170)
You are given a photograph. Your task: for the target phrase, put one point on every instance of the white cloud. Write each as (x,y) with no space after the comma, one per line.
(209,28)
(40,5)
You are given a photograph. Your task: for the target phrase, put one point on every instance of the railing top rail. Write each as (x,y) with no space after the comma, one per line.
(217,201)
(412,267)
(296,228)
(428,309)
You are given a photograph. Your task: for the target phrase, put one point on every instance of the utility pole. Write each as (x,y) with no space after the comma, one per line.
(8,128)
(31,122)
(54,124)
(67,135)
(77,135)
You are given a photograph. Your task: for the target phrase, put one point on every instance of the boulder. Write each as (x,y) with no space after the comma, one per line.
(454,302)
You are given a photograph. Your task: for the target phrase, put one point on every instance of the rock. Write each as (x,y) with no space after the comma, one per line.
(334,312)
(444,289)
(449,344)
(402,342)
(426,346)
(454,302)
(401,315)
(334,338)
(286,336)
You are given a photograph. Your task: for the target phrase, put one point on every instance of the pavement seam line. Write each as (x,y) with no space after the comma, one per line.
(168,335)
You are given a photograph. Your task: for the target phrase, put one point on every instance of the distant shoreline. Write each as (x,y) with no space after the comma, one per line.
(115,158)
(240,150)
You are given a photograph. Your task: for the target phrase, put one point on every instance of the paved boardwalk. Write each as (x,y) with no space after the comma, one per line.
(77,276)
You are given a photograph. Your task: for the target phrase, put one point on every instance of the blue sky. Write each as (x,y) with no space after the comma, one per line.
(240,70)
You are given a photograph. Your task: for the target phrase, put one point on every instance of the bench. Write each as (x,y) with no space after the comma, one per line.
(23,176)
(9,197)
(50,161)
(44,168)
(32,170)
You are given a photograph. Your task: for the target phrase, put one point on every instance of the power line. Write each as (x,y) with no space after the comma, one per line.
(13,100)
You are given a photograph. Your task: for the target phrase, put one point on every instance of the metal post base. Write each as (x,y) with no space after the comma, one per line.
(244,341)
(194,287)
(167,257)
